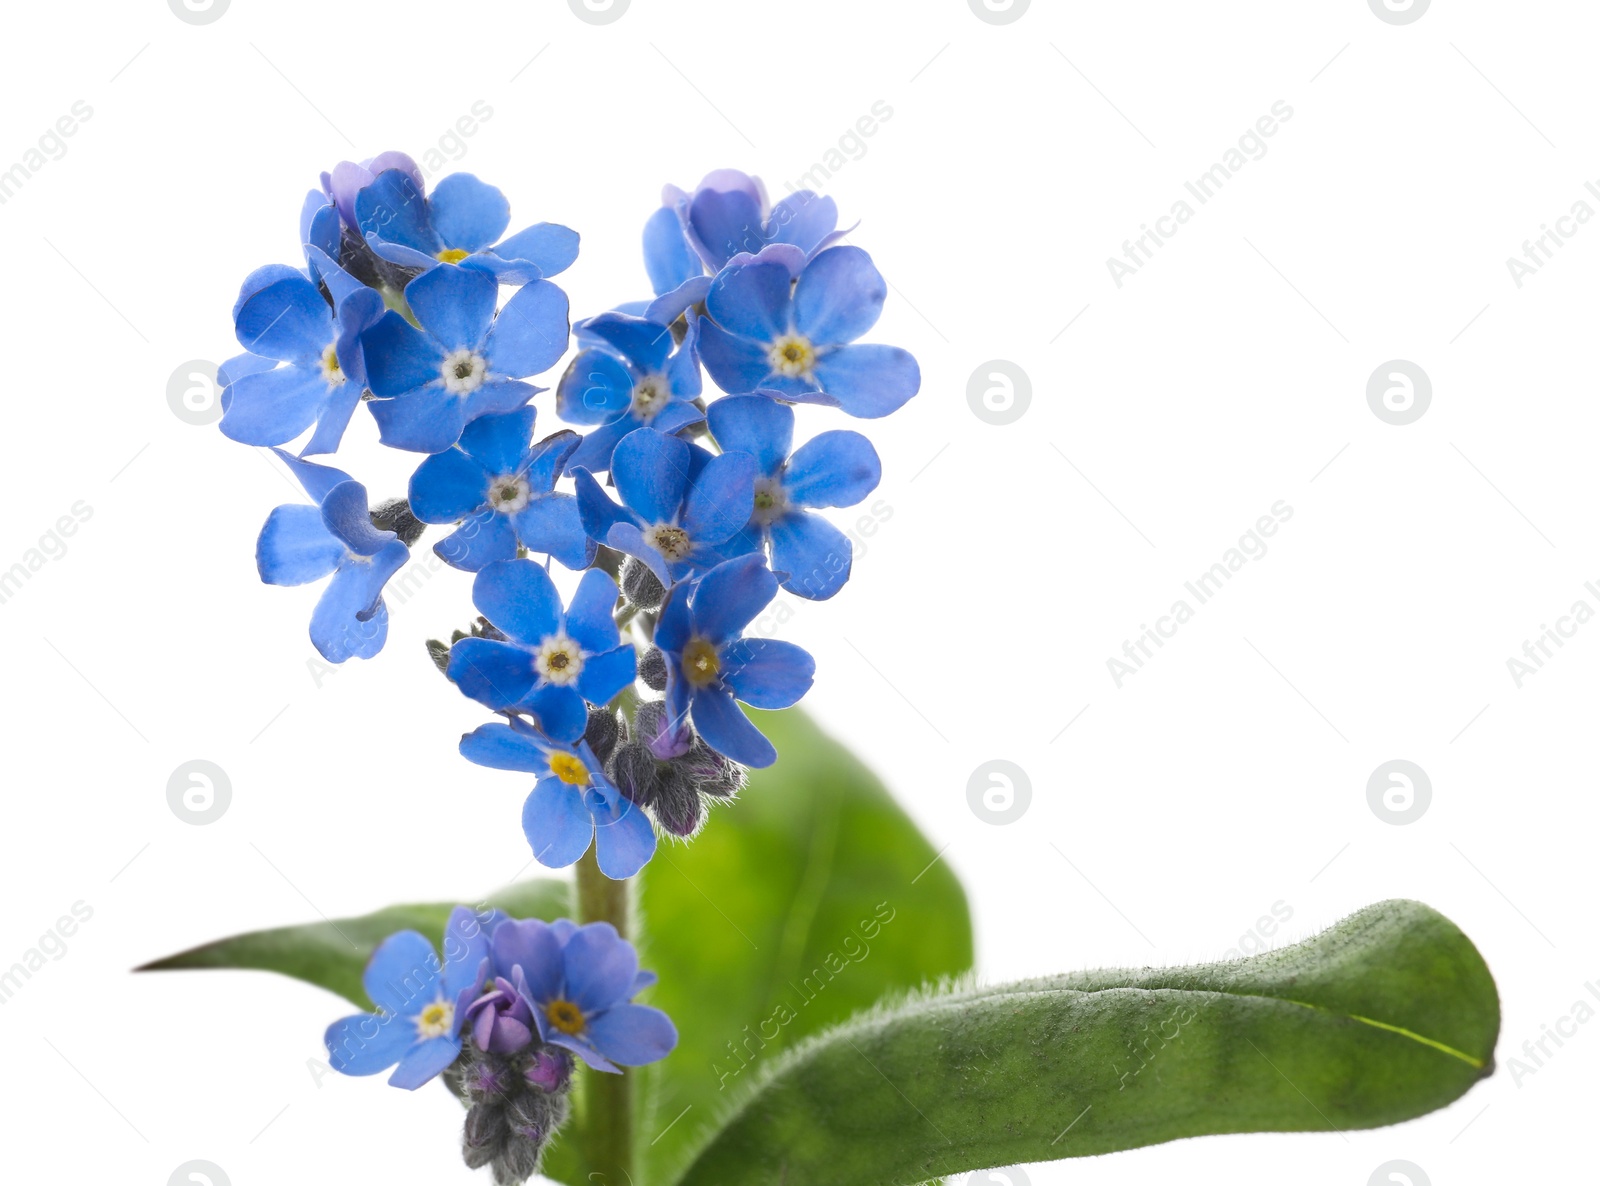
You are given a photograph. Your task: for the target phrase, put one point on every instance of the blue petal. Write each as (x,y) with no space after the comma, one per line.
(738,365)
(403,974)
(425,1062)
(600,966)
(426,420)
(468,214)
(644,343)
(499,441)
(454,305)
(755,425)
(548,246)
(869,381)
(368,1043)
(519,598)
(392,208)
(752,301)
(726,223)
(448,486)
(556,823)
(625,537)
(668,258)
(271,407)
(333,419)
(241,365)
(683,368)
(478,542)
(498,396)
(594,452)
(546,460)
(288,320)
(803,219)
(624,838)
(651,471)
(595,508)
(399,358)
(670,306)
(837,468)
(500,747)
(839,297)
(633,1035)
(607,673)
(495,674)
(344,513)
(530,334)
(551,524)
(730,596)
(560,712)
(350,620)
(316,480)
(721,499)
(767,672)
(676,623)
(813,555)
(589,622)
(728,731)
(465,947)
(596,387)
(531,945)
(295,548)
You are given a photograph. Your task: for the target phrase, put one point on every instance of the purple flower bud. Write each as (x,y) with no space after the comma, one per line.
(501,1020)
(550,1070)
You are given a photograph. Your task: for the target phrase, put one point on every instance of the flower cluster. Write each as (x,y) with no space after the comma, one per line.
(684,513)
(500,1015)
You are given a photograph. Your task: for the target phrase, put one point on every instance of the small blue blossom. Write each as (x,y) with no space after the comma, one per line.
(782,326)
(457,225)
(300,543)
(422,1001)
(729,215)
(465,361)
(680,504)
(709,665)
(349,178)
(549,661)
(631,378)
(572,803)
(581,982)
(501,488)
(282,316)
(838,468)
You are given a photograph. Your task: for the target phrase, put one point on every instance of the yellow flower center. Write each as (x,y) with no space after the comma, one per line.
(569,768)
(701,662)
(437,1020)
(452,255)
(672,542)
(565,1016)
(331,371)
(792,355)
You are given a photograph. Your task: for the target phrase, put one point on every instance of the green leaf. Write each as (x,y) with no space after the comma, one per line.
(1388,1015)
(802,903)
(333,954)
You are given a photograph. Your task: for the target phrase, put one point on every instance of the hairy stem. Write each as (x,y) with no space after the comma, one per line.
(607,1135)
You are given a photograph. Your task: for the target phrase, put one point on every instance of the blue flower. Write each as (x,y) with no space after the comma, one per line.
(281,316)
(457,225)
(300,544)
(677,273)
(581,982)
(834,469)
(347,179)
(729,215)
(422,1001)
(572,803)
(709,665)
(786,331)
(504,489)
(550,661)
(632,379)
(466,359)
(680,504)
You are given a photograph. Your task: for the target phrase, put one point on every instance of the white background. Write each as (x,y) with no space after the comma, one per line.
(1226,776)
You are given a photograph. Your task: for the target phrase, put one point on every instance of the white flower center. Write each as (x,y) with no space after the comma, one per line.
(771,501)
(792,356)
(437,1020)
(332,373)
(462,372)
(650,395)
(508,494)
(670,540)
(558,659)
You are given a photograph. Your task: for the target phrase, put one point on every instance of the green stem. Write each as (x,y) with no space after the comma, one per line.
(607,1135)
